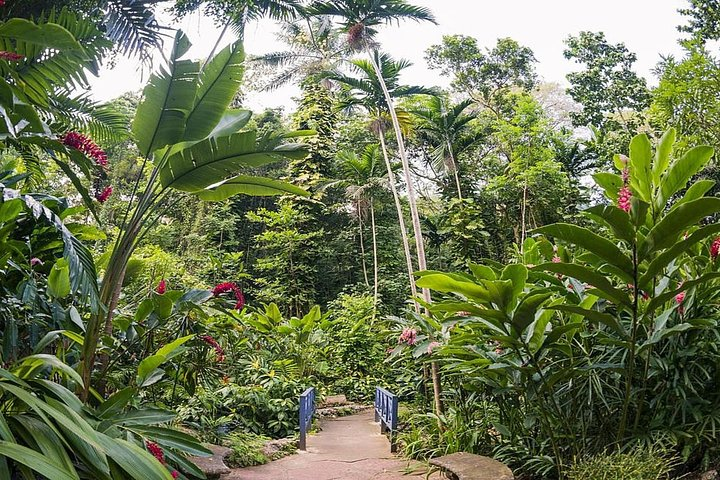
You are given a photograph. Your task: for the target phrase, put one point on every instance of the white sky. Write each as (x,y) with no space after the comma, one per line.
(647,27)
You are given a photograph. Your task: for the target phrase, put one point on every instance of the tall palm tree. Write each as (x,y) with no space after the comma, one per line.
(360,18)
(363,177)
(363,89)
(446,128)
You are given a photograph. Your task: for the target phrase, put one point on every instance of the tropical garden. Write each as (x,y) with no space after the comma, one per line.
(533,268)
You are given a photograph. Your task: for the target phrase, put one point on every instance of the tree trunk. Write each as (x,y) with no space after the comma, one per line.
(455,170)
(362,245)
(401,220)
(417,230)
(375,258)
(437,389)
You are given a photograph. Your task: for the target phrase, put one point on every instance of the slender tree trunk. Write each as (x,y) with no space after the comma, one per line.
(437,388)
(375,258)
(362,245)
(455,170)
(417,230)
(401,219)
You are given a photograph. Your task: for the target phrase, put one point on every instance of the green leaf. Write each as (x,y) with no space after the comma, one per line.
(213,160)
(231,122)
(47,35)
(441,282)
(59,279)
(35,461)
(615,218)
(220,80)
(167,99)
(594,243)
(248,185)
(116,403)
(591,277)
(594,316)
(167,350)
(147,366)
(167,437)
(518,275)
(135,461)
(662,154)
(610,183)
(54,362)
(667,231)
(146,416)
(681,171)
(695,191)
(527,309)
(640,158)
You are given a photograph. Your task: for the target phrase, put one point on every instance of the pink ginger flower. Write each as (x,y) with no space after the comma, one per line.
(408,335)
(715,248)
(175,474)
(432,346)
(624,196)
(161,287)
(35,262)
(556,259)
(10,56)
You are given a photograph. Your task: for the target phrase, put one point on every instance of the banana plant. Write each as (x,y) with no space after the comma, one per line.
(193,143)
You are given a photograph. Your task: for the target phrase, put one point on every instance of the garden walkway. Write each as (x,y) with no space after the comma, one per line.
(347,448)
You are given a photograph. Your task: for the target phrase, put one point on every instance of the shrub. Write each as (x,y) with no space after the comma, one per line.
(247,449)
(637,464)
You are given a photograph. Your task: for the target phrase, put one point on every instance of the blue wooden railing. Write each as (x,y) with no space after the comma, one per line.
(386,412)
(307,410)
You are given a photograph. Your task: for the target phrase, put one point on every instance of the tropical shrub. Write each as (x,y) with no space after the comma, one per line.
(607,337)
(637,464)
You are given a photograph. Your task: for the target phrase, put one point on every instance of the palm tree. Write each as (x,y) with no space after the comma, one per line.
(314,47)
(364,90)
(363,177)
(360,18)
(445,127)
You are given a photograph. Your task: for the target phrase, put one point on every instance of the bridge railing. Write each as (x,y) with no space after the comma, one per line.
(307,410)
(386,412)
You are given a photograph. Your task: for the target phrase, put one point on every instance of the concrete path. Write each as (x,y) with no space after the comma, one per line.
(347,448)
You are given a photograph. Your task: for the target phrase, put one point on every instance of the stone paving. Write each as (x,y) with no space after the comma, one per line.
(347,448)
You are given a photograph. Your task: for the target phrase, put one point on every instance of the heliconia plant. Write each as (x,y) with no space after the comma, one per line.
(595,341)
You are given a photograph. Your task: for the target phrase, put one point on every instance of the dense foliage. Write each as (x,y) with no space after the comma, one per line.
(176,269)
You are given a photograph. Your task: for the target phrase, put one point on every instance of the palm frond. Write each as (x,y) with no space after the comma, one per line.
(79,113)
(132,25)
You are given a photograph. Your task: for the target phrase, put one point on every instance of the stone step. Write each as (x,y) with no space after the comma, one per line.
(333,401)
(468,466)
(213,466)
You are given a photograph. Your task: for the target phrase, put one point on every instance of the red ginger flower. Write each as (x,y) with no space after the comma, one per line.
(156,451)
(680,297)
(10,56)
(230,287)
(161,287)
(624,196)
(103,196)
(715,248)
(219,352)
(80,142)
(175,474)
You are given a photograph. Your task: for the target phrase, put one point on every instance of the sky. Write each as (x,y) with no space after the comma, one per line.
(647,27)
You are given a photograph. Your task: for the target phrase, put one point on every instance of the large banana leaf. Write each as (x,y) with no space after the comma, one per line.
(167,99)
(219,81)
(248,185)
(213,160)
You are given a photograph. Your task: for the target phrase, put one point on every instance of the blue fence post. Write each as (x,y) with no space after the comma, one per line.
(307,410)
(386,412)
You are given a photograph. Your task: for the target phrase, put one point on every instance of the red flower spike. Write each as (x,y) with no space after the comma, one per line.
(226,287)
(219,352)
(103,196)
(84,144)
(175,474)
(161,287)
(156,451)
